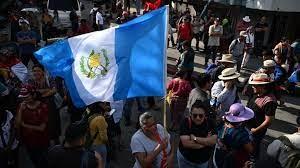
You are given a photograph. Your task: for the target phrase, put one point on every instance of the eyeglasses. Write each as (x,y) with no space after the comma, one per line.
(198,115)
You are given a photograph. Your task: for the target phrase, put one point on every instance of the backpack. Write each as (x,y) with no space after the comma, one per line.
(293,159)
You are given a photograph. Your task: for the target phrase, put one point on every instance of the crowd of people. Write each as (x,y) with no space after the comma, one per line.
(215,129)
(209,127)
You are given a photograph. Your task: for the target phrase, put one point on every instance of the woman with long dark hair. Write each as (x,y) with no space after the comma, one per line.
(32,124)
(46,87)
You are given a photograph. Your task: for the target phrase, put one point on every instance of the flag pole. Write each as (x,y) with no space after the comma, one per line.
(165,69)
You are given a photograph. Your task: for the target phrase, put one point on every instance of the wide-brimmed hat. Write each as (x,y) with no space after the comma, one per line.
(259,79)
(227,58)
(239,113)
(246,19)
(269,63)
(228,74)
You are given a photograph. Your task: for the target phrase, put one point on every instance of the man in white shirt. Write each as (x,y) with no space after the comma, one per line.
(99,20)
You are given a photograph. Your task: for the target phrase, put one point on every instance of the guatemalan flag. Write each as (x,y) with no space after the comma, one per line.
(114,64)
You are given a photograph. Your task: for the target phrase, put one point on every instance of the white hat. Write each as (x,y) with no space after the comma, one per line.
(246,19)
(259,79)
(227,58)
(228,74)
(269,63)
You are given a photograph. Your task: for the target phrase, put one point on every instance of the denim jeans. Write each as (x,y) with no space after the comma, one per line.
(183,163)
(101,149)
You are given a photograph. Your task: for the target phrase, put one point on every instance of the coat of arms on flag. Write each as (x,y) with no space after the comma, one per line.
(96,64)
(112,64)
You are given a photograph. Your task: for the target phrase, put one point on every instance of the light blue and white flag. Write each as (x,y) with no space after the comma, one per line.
(114,64)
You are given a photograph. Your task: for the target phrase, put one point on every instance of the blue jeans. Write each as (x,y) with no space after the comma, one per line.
(183,163)
(101,149)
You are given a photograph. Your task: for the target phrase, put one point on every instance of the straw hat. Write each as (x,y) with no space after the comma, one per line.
(269,63)
(228,74)
(239,113)
(259,79)
(246,19)
(227,58)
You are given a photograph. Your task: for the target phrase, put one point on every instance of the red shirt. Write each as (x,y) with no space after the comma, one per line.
(180,87)
(185,31)
(34,138)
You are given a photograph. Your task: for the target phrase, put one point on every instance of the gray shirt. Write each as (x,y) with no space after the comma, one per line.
(237,47)
(140,143)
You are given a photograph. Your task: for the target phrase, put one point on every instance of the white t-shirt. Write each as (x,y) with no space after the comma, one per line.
(99,18)
(141,143)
